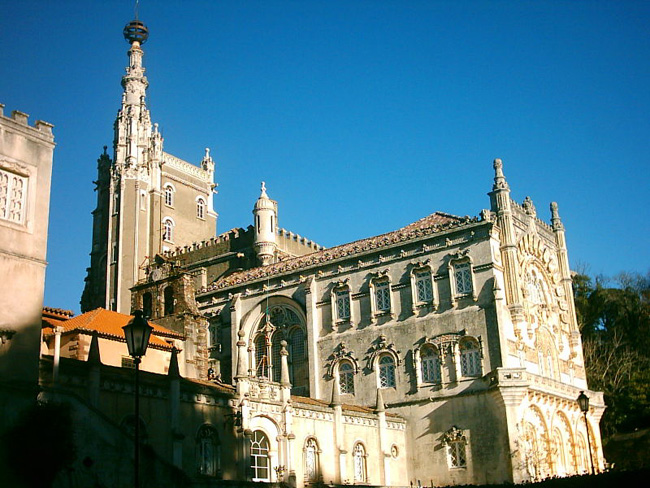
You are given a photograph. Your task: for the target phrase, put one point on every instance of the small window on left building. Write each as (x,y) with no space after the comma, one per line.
(13,197)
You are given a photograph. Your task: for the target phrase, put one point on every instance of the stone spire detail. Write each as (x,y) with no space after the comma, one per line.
(556,222)
(133,125)
(380,407)
(265,214)
(501,205)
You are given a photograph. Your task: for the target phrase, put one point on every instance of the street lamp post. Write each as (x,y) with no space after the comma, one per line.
(137,333)
(583,403)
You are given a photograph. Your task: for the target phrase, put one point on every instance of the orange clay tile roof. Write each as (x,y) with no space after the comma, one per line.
(53,317)
(109,325)
(431,224)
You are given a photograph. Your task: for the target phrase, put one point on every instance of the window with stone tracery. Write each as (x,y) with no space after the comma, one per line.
(382,296)
(430,365)
(260,461)
(342,304)
(457,452)
(282,323)
(386,371)
(463,278)
(359,454)
(13,197)
(346,377)
(424,286)
(470,358)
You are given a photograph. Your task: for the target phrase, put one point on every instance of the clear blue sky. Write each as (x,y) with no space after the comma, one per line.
(361,116)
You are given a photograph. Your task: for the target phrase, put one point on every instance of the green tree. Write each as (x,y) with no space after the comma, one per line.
(614,320)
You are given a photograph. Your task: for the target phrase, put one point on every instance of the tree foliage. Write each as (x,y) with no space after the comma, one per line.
(614,320)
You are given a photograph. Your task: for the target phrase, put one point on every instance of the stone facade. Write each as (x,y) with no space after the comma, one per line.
(445,351)
(25,175)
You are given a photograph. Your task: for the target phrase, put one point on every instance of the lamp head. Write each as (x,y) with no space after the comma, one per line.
(137,333)
(583,402)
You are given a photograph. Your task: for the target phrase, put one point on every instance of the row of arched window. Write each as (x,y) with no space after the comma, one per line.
(208,456)
(423,290)
(429,363)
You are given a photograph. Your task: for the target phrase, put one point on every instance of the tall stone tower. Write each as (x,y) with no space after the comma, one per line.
(148,201)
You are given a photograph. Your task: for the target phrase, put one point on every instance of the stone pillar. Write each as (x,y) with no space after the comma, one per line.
(94,373)
(313,334)
(174,410)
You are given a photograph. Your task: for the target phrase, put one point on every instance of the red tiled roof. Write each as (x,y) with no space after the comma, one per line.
(431,224)
(109,325)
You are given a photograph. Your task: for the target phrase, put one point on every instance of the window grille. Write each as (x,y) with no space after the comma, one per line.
(470,359)
(463,276)
(424,286)
(430,365)
(382,293)
(386,372)
(346,378)
(343,304)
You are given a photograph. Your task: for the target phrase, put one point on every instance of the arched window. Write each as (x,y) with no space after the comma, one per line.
(312,467)
(297,369)
(284,323)
(168,230)
(168,295)
(260,463)
(470,358)
(346,377)
(147,305)
(386,371)
(360,473)
(200,208)
(276,359)
(207,451)
(169,195)
(261,358)
(430,363)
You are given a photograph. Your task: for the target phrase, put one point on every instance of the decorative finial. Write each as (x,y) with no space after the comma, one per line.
(263,190)
(529,207)
(136,31)
(500,182)
(556,222)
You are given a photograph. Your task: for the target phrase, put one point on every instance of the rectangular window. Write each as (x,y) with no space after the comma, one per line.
(13,193)
(382,294)
(457,454)
(463,276)
(424,286)
(343,304)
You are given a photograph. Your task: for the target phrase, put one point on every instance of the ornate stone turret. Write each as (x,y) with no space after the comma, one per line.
(500,200)
(265,214)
